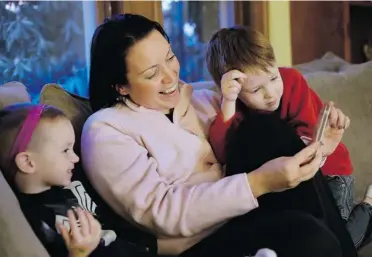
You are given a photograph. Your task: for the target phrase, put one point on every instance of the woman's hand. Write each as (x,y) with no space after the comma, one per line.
(286,172)
(81,241)
(338,122)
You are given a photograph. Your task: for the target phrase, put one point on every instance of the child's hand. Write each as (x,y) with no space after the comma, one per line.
(81,241)
(338,123)
(231,85)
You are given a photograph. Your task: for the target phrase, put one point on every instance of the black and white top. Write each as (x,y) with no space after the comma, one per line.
(47,209)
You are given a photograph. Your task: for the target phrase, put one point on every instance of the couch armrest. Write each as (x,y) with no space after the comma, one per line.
(16,236)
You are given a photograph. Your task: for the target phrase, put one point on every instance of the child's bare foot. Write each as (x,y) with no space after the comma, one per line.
(368,196)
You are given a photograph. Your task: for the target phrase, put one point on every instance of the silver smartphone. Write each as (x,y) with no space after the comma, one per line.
(322,123)
(320,128)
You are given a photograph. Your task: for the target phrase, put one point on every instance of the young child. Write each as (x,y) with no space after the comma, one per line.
(242,62)
(37,159)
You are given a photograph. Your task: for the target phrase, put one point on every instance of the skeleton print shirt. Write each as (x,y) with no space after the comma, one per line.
(45,210)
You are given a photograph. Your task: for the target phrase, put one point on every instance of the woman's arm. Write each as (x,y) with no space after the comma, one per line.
(126,177)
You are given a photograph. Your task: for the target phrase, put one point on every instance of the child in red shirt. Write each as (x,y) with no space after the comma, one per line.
(242,62)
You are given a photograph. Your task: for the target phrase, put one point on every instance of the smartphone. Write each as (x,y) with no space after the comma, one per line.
(320,128)
(322,123)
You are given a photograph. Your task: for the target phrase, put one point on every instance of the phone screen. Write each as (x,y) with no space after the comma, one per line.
(322,123)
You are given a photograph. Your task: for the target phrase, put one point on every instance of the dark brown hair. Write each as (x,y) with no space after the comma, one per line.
(11,120)
(238,48)
(111,43)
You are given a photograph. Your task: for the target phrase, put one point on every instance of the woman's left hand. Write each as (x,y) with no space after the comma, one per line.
(338,122)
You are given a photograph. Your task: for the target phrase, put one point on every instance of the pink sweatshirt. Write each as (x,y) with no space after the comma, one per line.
(163,176)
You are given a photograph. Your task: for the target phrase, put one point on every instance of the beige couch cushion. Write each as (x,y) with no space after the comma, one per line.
(75,107)
(328,62)
(351,90)
(13,92)
(16,236)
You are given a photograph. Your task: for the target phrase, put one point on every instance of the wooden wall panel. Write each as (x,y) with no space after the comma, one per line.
(103,10)
(149,9)
(254,14)
(316,27)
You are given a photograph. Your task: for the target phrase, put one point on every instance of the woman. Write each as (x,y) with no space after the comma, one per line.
(145,151)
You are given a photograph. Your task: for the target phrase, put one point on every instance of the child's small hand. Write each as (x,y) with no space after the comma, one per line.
(231,85)
(338,123)
(81,241)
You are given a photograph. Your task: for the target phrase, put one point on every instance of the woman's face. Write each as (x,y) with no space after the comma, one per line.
(153,73)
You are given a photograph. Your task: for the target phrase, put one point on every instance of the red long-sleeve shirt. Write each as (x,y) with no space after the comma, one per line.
(300,106)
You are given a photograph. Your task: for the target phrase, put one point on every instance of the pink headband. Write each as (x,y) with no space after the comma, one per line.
(28,128)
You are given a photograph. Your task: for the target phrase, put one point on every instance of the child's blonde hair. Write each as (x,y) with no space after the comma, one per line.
(238,48)
(13,121)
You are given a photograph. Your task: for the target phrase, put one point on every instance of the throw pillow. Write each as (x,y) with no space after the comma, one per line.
(328,62)
(75,107)
(12,93)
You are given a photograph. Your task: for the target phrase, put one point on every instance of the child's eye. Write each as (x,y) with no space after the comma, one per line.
(274,78)
(256,90)
(66,150)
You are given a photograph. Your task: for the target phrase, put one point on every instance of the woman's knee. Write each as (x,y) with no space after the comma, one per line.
(299,234)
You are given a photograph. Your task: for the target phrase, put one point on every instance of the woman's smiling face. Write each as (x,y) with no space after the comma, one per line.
(153,74)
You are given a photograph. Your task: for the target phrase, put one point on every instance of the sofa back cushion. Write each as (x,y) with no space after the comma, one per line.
(75,107)
(13,92)
(351,90)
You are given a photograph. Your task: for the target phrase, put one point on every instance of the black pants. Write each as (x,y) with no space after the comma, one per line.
(120,248)
(300,222)
(288,233)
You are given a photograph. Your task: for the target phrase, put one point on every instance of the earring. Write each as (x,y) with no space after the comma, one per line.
(120,98)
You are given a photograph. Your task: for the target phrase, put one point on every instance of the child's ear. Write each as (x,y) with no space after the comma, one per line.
(24,163)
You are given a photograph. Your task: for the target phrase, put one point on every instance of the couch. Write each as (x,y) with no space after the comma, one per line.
(348,85)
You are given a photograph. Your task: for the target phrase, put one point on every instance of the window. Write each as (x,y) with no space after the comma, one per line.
(190,25)
(46,42)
